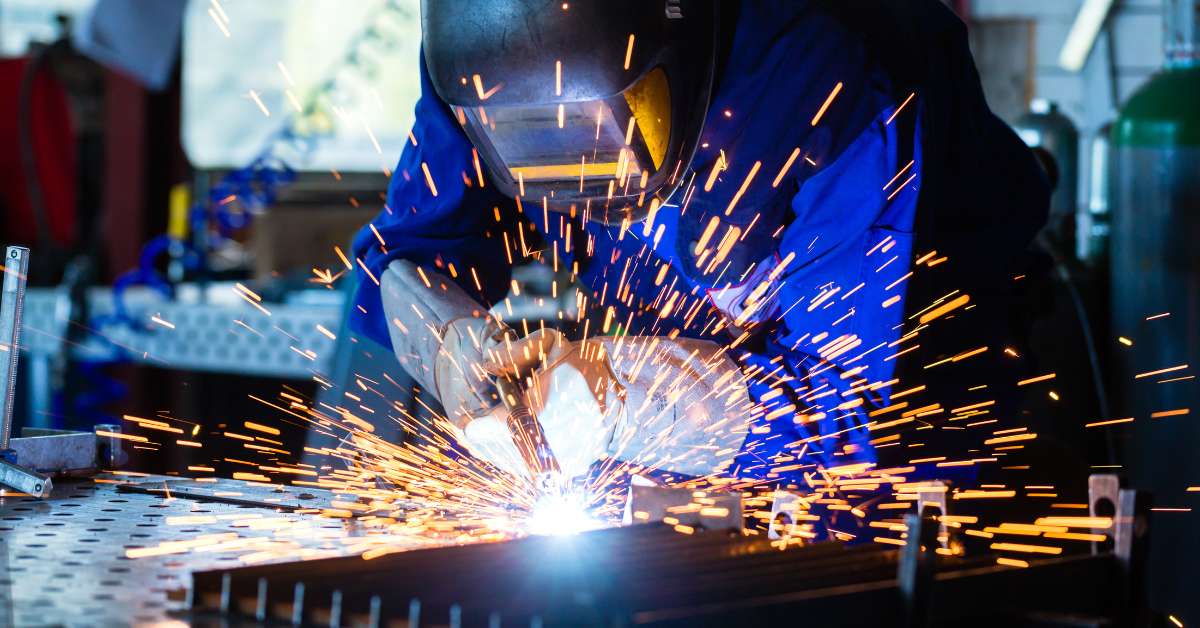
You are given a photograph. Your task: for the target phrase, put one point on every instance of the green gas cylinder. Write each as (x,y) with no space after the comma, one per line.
(1155,241)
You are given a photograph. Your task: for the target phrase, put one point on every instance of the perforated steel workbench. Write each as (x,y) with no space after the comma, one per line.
(63,561)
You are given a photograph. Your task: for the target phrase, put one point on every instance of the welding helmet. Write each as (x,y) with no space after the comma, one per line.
(590,104)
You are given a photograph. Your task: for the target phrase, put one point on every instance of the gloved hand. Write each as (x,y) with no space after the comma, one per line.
(441,336)
(672,404)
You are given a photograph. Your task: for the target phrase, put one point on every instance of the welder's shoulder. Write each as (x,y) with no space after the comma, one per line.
(902,36)
(830,46)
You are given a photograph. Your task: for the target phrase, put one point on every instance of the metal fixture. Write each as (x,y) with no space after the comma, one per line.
(16,271)
(12,474)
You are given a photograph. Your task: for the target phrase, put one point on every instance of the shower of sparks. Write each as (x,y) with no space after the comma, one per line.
(427,489)
(218,15)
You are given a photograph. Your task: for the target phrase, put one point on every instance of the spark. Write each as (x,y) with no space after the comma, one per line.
(786,166)
(1170,369)
(429,179)
(287,76)
(828,101)
(742,190)
(482,93)
(219,17)
(900,108)
(342,256)
(258,101)
(130,437)
(1110,422)
(897,178)
(366,270)
(375,142)
(1034,380)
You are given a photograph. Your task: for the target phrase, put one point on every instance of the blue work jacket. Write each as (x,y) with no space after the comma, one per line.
(822,126)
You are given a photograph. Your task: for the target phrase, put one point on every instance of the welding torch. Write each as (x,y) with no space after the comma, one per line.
(526,430)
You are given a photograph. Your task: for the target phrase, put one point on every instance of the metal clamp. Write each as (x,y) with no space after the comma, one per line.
(12,301)
(1128,540)
(931,500)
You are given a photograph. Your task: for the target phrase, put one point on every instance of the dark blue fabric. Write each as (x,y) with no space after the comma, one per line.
(842,216)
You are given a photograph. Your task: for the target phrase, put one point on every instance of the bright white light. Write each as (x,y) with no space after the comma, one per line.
(561,514)
(1083,34)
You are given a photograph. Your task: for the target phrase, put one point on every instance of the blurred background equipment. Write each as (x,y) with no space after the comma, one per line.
(1045,127)
(116,332)
(1093,226)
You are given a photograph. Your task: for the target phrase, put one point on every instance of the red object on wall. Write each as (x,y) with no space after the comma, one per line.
(126,160)
(55,150)
(963,9)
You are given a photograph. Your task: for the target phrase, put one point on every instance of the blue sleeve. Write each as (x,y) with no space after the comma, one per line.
(440,212)
(848,252)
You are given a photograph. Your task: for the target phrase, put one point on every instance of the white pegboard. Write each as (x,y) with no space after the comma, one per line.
(225,335)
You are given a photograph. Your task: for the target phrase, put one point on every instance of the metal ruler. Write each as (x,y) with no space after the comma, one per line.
(12,301)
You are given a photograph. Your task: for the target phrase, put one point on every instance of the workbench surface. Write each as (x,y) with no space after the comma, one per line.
(97,554)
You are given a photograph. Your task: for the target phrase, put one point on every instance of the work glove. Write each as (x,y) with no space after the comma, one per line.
(677,405)
(441,336)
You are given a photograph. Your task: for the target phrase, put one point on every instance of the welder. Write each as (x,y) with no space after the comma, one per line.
(744,192)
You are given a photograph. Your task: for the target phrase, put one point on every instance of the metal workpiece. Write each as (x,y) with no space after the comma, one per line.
(17,478)
(118,551)
(651,575)
(787,512)
(932,504)
(56,452)
(110,452)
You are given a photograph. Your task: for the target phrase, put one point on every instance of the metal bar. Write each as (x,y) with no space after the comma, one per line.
(12,301)
(283,500)
(24,480)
